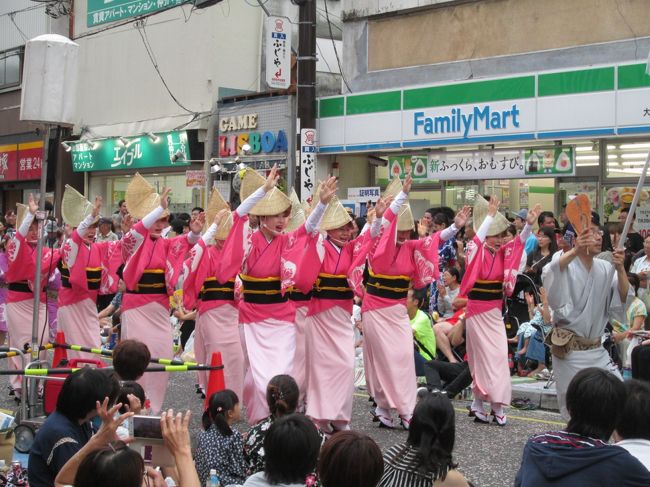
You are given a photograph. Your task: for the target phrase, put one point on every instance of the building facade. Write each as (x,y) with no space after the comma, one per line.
(530,101)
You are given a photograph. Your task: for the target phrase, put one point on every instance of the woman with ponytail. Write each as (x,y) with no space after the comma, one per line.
(220,447)
(426,457)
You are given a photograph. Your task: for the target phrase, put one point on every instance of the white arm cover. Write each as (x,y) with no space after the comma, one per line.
(397,203)
(209,233)
(152,217)
(27,222)
(314,218)
(82,229)
(449,232)
(481,233)
(247,205)
(192,237)
(525,233)
(375,228)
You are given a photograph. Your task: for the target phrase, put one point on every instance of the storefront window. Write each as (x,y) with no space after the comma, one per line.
(590,188)
(618,197)
(626,159)
(459,195)
(113,189)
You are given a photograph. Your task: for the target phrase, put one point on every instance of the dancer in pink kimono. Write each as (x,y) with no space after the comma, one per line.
(268,319)
(153,265)
(217,322)
(330,336)
(396,265)
(21,252)
(491,270)
(87,267)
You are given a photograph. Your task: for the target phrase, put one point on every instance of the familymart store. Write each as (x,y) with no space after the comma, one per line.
(533,138)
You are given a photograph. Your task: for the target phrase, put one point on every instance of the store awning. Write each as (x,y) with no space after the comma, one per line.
(155,125)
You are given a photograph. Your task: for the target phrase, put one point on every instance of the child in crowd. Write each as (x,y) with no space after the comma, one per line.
(292,445)
(130,359)
(220,447)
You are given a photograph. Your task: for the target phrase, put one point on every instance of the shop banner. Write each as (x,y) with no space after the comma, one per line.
(513,164)
(307,162)
(103,11)
(168,149)
(364,194)
(587,102)
(278,52)
(195,179)
(21,162)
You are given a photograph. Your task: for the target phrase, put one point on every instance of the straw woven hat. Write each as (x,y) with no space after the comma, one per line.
(141,198)
(297,212)
(215,205)
(251,182)
(21,213)
(393,188)
(499,224)
(405,220)
(274,201)
(75,207)
(335,216)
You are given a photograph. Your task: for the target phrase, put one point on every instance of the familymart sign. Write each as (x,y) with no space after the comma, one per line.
(590,102)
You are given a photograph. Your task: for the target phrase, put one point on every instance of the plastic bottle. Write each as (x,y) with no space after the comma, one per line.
(213,481)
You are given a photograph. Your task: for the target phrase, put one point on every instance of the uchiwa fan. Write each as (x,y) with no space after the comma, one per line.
(578,211)
(74,206)
(141,197)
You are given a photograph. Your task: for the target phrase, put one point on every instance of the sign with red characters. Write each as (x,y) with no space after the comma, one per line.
(21,162)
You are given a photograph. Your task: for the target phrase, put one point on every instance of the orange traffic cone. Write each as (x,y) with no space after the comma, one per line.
(59,352)
(216,380)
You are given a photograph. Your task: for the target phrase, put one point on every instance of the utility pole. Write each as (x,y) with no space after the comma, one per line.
(306,77)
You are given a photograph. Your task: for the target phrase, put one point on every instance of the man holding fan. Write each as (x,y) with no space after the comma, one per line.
(584,293)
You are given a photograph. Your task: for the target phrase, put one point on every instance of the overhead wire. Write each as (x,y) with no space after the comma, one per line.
(140,27)
(336,52)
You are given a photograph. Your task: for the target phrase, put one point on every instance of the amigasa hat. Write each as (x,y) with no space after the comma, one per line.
(75,207)
(21,213)
(274,201)
(405,220)
(499,224)
(215,205)
(141,198)
(297,212)
(335,216)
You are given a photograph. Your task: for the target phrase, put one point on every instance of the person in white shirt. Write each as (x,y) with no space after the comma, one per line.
(448,290)
(633,425)
(641,266)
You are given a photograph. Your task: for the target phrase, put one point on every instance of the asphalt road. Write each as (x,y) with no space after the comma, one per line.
(488,455)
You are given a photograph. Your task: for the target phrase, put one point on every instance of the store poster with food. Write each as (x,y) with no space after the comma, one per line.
(620,197)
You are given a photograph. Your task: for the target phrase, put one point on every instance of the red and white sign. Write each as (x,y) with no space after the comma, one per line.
(195,179)
(21,162)
(278,52)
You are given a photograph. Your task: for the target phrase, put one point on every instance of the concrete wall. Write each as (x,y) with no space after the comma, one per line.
(356,59)
(352,9)
(216,47)
(494,28)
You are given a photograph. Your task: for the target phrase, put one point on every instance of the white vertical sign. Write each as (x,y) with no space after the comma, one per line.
(307,162)
(278,52)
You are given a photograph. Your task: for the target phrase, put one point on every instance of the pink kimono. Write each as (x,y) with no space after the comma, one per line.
(217,322)
(86,270)
(330,335)
(388,338)
(152,269)
(20,298)
(486,277)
